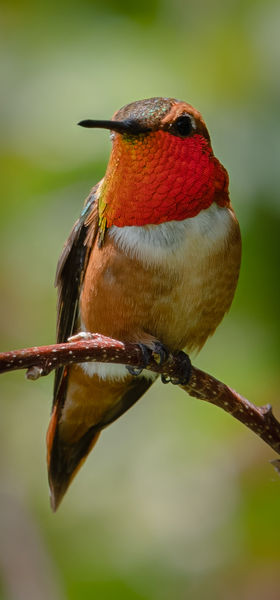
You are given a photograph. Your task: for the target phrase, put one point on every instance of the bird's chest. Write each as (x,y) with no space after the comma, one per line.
(166,282)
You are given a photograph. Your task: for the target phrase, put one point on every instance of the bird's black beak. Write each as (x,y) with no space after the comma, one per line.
(128,126)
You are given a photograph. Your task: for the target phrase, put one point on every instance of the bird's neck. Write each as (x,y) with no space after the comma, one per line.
(157,179)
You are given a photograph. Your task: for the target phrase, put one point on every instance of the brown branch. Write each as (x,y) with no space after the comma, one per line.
(41,360)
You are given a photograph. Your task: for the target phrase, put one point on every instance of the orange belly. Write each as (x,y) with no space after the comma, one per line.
(179,301)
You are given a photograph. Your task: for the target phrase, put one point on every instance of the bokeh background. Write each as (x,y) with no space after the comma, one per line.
(177,500)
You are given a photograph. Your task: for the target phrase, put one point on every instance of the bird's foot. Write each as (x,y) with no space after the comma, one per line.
(146,357)
(158,352)
(183,371)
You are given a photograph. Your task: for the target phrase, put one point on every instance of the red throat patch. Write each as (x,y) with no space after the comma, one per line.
(160,177)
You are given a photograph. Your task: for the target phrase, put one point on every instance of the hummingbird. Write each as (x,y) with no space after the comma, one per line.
(153,259)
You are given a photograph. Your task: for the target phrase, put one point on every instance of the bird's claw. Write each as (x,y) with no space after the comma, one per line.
(146,357)
(165,378)
(185,368)
(158,353)
(134,370)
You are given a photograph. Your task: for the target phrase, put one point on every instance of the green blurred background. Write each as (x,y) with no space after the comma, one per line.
(177,500)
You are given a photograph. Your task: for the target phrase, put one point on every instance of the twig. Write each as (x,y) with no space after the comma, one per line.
(41,360)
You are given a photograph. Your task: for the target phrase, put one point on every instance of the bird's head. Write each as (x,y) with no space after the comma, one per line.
(161,167)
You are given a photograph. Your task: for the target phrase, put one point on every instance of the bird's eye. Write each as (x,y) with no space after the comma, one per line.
(183,126)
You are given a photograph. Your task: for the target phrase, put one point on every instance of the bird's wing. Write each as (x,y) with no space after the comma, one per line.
(70,275)
(64,459)
(69,279)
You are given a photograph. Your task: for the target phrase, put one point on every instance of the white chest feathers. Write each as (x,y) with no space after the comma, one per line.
(175,240)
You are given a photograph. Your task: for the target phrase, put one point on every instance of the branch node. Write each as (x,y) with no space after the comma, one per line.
(266,410)
(34,373)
